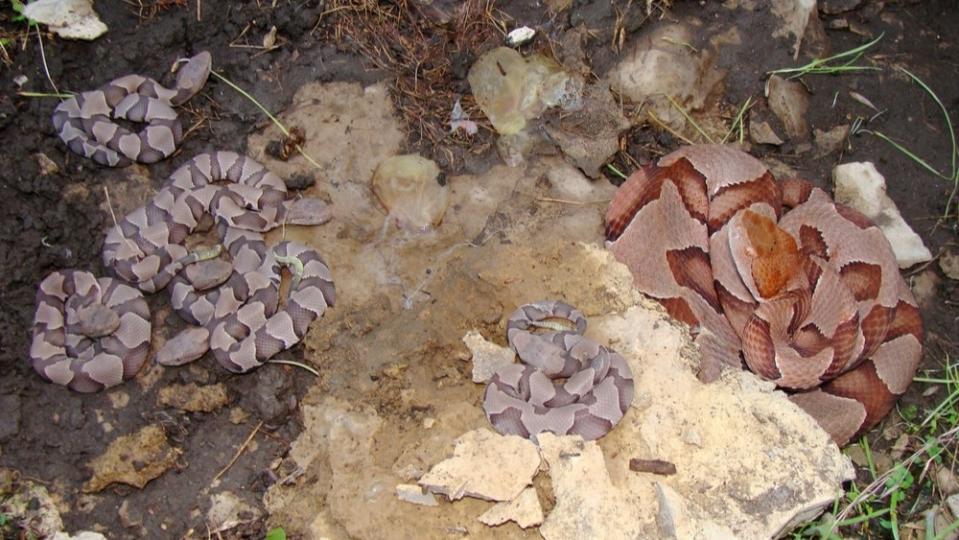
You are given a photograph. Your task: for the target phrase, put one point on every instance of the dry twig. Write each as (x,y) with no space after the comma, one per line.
(239,451)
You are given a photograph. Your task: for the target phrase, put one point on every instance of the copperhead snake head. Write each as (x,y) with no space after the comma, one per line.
(567,384)
(804,290)
(85,122)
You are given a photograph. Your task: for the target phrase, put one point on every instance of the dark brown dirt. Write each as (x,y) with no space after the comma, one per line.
(48,433)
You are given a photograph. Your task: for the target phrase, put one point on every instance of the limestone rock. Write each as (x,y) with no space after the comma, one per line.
(349,485)
(133,459)
(520,36)
(661,66)
(413,493)
(71,19)
(831,140)
(524,510)
(550,85)
(227,510)
(488,357)
(193,398)
(47,166)
(677,517)
(511,89)
(789,102)
(409,187)
(485,465)
(860,186)
(948,262)
(587,502)
(952,502)
(569,183)
(925,287)
(742,423)
(498,82)
(762,133)
(796,18)
(514,148)
(80,535)
(589,136)
(28,502)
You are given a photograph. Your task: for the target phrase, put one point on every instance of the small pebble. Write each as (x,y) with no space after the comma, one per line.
(300,181)
(413,493)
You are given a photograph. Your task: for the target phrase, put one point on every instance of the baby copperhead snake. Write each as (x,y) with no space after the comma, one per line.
(85,122)
(529,398)
(235,306)
(90,334)
(805,289)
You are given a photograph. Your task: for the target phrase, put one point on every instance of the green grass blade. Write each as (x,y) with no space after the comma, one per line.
(690,119)
(816,65)
(919,161)
(45,94)
(949,401)
(244,93)
(738,121)
(859,519)
(274,119)
(616,171)
(945,114)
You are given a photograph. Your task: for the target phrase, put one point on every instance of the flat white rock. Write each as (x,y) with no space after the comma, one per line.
(949,263)
(488,357)
(860,186)
(408,186)
(82,535)
(795,16)
(953,503)
(485,465)
(524,510)
(413,493)
(586,498)
(71,19)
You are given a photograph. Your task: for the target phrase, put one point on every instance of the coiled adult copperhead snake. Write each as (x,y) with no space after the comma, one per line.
(807,290)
